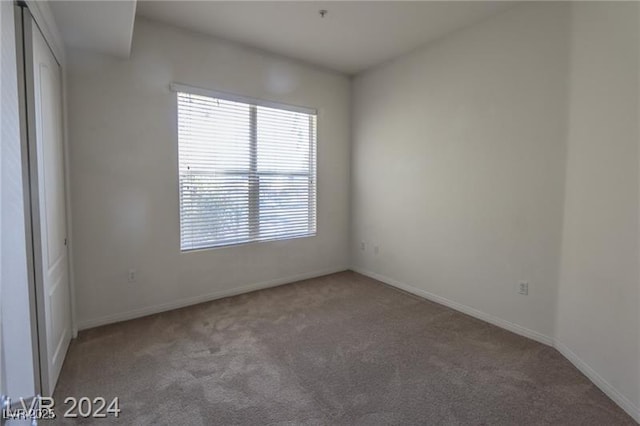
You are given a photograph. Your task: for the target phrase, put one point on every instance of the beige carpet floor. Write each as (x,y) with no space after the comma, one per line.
(337,350)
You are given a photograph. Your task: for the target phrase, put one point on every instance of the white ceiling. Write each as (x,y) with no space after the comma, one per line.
(354,35)
(103,26)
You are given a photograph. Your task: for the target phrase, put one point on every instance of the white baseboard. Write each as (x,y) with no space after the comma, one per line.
(181,303)
(631,409)
(518,329)
(617,397)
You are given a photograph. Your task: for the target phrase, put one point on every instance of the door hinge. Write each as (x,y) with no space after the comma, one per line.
(65,241)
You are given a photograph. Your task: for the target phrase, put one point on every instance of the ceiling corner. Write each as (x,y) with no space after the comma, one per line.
(104,27)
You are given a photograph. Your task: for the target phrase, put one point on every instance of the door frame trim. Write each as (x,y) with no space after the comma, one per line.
(28,131)
(23,24)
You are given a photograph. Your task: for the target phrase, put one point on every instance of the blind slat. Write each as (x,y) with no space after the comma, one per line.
(247,172)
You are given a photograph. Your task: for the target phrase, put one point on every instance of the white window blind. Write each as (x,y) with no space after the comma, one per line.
(247,171)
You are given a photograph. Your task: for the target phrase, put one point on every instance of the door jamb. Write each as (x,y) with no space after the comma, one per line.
(24,48)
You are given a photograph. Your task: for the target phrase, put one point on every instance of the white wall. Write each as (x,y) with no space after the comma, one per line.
(459,177)
(124,183)
(598,303)
(458,167)
(16,335)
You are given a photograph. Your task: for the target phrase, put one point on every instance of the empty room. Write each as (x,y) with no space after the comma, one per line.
(320,212)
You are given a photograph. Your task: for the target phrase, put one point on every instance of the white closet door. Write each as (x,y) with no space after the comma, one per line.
(51,213)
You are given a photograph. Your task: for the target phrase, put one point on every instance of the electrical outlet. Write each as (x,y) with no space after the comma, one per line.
(523,288)
(132,276)
(363,246)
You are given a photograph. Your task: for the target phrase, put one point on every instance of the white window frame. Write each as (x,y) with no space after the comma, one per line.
(254,208)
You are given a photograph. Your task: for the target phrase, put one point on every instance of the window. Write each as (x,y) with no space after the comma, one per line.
(247,170)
